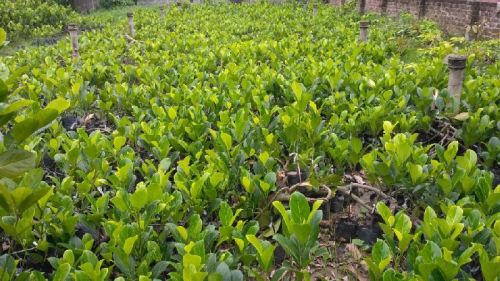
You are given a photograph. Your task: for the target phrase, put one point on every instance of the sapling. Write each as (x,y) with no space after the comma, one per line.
(300,235)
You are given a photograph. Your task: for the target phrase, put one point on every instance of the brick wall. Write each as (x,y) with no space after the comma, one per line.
(374,6)
(395,7)
(336,2)
(490,14)
(452,15)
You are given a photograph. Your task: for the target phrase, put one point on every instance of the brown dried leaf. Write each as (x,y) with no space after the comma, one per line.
(353,249)
(359,179)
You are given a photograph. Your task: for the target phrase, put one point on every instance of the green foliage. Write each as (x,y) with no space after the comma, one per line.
(21,186)
(447,246)
(115,3)
(34,17)
(300,233)
(172,148)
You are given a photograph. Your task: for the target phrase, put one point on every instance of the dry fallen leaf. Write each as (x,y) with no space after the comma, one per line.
(461,116)
(353,249)
(359,179)
(5,246)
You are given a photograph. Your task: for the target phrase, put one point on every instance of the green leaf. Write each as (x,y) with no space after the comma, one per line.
(225,214)
(388,127)
(247,184)
(431,252)
(32,198)
(299,207)
(266,253)
(182,232)
(6,201)
(381,254)
(28,126)
(227,139)
(444,181)
(297,90)
(357,145)
(454,215)
(69,257)
(3,36)
(216,178)
(4,91)
(490,268)
(59,105)
(392,275)
(403,223)
(416,172)
(468,160)
(119,201)
(119,142)
(263,157)
(385,213)
(14,163)
(184,165)
(466,255)
(451,151)
(139,198)
(15,106)
(281,209)
(265,186)
(129,244)
(315,207)
(159,268)
(62,272)
(172,113)
(402,147)
(288,245)
(302,232)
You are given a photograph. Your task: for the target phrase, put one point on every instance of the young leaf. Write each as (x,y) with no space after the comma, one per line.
(297,90)
(385,213)
(451,151)
(129,244)
(225,214)
(184,165)
(62,272)
(299,207)
(227,139)
(119,142)
(381,254)
(139,198)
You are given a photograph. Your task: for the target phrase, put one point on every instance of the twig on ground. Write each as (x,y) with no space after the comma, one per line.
(364,186)
(130,39)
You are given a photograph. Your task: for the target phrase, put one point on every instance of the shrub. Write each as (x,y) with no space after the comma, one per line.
(25,18)
(115,3)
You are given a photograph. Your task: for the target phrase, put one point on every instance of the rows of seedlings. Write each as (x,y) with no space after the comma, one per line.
(253,141)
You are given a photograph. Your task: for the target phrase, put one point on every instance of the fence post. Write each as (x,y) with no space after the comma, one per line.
(162,13)
(456,66)
(130,16)
(73,34)
(363,31)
